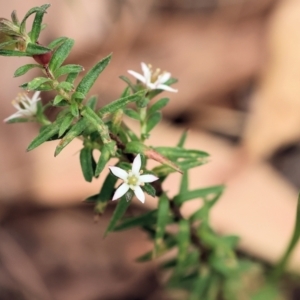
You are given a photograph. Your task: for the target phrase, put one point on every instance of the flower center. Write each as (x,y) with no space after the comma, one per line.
(154,74)
(132,180)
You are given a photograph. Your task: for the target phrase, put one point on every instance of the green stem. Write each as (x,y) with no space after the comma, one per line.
(143,117)
(281,265)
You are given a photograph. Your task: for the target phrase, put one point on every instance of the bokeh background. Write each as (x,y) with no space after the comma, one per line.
(238,66)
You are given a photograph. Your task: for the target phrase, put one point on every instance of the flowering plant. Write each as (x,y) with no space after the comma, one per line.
(206,264)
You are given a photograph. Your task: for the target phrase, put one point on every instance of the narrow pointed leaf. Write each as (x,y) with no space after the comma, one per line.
(161,103)
(130,84)
(183,245)
(66,86)
(74,109)
(37,25)
(147,219)
(162,221)
(120,103)
(86,162)
(15,18)
(57,42)
(66,123)
(13,53)
(103,160)
(149,189)
(44,135)
(132,114)
(35,49)
(33,10)
(153,120)
(24,69)
(198,193)
(92,102)
(182,139)
(119,211)
(60,54)
(58,99)
(89,79)
(9,45)
(280,267)
(98,123)
(178,152)
(37,82)
(66,69)
(74,131)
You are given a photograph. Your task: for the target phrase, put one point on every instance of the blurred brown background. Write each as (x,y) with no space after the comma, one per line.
(238,66)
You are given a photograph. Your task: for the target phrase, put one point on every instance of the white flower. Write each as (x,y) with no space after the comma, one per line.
(132,180)
(26,107)
(153,80)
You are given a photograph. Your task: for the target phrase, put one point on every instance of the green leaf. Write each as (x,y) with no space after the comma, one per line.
(132,113)
(37,25)
(66,69)
(281,265)
(37,82)
(149,189)
(147,219)
(120,103)
(66,123)
(60,54)
(15,18)
(135,147)
(92,102)
(9,45)
(178,152)
(12,53)
(58,99)
(71,77)
(66,86)
(77,96)
(45,134)
(126,92)
(74,131)
(89,79)
(105,194)
(182,139)
(198,193)
(86,162)
(33,10)
(24,69)
(17,120)
(201,284)
(183,245)
(119,211)
(162,221)
(57,42)
(35,49)
(103,160)
(153,120)
(74,109)
(98,123)
(130,84)
(161,103)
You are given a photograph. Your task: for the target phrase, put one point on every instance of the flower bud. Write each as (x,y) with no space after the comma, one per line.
(43,59)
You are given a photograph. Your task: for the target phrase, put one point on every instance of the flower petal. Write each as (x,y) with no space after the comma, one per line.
(147,72)
(139,194)
(120,191)
(35,97)
(166,88)
(137,76)
(148,178)
(136,165)
(119,172)
(13,116)
(163,78)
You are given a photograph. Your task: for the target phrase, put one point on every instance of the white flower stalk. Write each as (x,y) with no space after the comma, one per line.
(26,106)
(153,80)
(132,180)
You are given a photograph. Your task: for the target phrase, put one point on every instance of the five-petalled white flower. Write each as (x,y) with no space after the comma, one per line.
(26,106)
(153,79)
(132,180)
